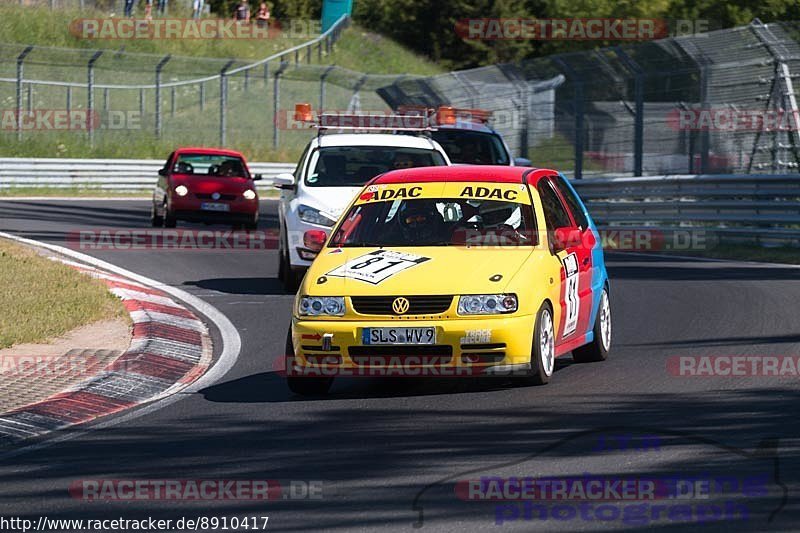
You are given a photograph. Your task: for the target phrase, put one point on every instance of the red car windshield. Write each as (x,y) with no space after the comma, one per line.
(210,165)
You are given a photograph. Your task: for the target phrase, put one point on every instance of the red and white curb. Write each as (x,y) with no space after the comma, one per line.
(170,352)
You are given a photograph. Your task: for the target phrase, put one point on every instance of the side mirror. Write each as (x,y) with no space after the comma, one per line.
(566,237)
(284,181)
(314,239)
(522,162)
(162,171)
(258,177)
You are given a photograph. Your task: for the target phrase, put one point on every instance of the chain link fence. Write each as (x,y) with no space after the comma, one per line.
(719,102)
(124,98)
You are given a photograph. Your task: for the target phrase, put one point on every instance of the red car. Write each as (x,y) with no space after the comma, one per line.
(210,185)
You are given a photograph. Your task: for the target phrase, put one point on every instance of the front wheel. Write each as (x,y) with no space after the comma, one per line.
(155,219)
(169,218)
(598,349)
(543,350)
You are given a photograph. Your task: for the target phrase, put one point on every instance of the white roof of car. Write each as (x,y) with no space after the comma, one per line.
(375,139)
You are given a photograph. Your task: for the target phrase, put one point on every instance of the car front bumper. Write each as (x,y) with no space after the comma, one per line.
(464,346)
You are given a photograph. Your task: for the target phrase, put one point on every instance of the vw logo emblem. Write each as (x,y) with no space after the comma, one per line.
(400,305)
(215,196)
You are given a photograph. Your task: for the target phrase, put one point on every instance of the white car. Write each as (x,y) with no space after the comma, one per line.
(331,171)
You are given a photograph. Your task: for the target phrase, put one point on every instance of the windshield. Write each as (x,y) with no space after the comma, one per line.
(437,222)
(210,165)
(472,147)
(353,166)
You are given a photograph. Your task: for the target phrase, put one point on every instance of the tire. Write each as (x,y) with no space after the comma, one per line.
(542,348)
(155,219)
(305,386)
(598,349)
(289,278)
(543,354)
(169,219)
(252,225)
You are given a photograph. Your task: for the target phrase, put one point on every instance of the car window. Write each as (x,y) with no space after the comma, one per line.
(211,165)
(350,166)
(299,170)
(472,147)
(555,216)
(437,222)
(572,201)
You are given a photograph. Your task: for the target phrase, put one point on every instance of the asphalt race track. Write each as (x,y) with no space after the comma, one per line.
(389,452)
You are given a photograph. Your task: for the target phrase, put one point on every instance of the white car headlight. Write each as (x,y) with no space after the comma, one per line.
(249,194)
(322,305)
(181,190)
(487,304)
(314,216)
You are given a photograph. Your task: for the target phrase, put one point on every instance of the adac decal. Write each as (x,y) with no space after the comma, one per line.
(391,194)
(489,192)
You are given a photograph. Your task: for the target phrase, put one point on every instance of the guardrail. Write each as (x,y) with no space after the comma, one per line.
(117,175)
(764,209)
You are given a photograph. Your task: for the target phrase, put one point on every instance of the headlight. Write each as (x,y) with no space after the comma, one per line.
(487,304)
(181,190)
(324,305)
(249,194)
(314,216)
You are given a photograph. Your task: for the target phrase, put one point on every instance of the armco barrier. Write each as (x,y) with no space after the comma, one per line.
(108,174)
(753,208)
(764,209)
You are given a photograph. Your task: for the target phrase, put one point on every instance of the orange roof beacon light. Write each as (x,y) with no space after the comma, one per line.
(302,113)
(446,115)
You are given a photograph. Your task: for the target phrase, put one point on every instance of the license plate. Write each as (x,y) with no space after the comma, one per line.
(208,206)
(372,336)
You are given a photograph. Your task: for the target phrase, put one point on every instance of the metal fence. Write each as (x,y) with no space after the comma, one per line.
(116,175)
(683,105)
(762,209)
(691,104)
(758,208)
(142,98)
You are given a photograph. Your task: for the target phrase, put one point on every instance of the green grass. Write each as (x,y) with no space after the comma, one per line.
(43,27)
(250,105)
(373,53)
(42,299)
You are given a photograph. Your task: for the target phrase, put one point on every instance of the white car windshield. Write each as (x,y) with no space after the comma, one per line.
(353,166)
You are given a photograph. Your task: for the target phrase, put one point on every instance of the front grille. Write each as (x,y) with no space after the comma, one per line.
(419,305)
(227,197)
(427,354)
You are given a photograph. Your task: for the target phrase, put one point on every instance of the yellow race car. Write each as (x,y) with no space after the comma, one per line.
(452,271)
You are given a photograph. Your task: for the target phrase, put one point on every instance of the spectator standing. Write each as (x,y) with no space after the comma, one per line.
(197,8)
(262,16)
(129,8)
(162,7)
(242,12)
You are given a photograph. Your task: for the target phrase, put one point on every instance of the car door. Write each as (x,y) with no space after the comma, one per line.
(576,263)
(586,248)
